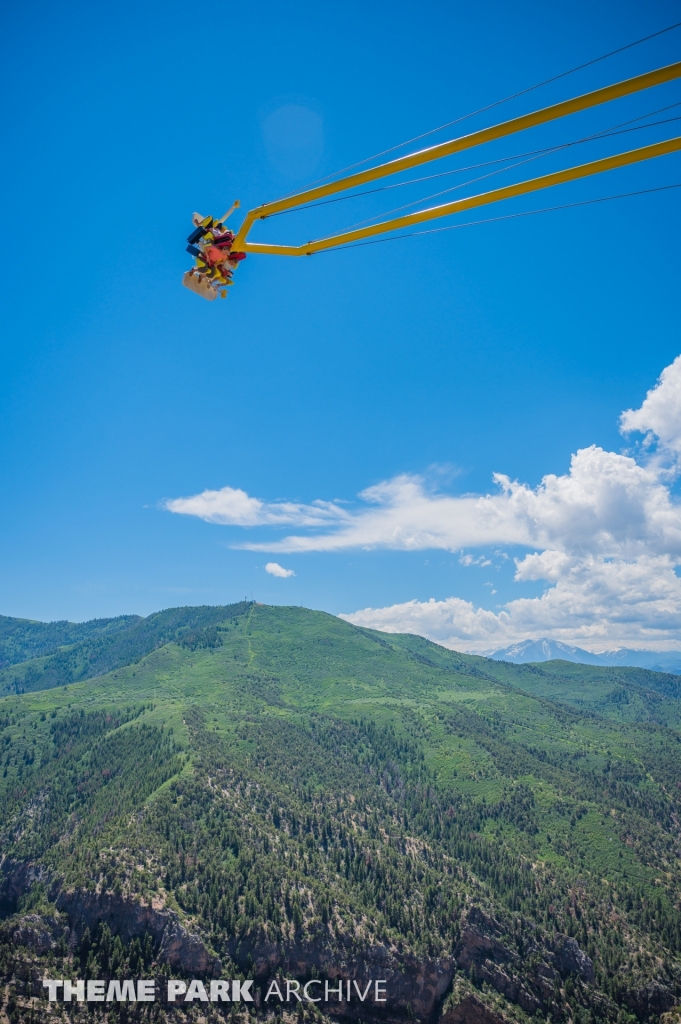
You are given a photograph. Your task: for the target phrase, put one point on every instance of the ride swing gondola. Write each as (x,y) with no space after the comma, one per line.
(219,251)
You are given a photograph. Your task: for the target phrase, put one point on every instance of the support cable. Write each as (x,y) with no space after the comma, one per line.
(490,106)
(492,220)
(638,83)
(605,133)
(409,220)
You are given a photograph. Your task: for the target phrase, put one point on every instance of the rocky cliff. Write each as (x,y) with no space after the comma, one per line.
(417,987)
(530,975)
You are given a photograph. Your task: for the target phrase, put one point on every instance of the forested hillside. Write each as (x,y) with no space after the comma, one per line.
(39,655)
(260,792)
(24,639)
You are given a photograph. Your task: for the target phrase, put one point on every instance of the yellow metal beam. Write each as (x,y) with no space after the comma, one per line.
(517,124)
(607,163)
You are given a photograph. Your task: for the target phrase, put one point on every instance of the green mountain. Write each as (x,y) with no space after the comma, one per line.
(24,639)
(40,655)
(262,793)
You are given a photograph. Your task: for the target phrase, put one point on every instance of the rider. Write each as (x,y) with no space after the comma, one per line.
(215,260)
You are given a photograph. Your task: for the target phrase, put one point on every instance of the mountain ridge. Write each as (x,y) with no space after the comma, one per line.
(275,792)
(545,649)
(101,645)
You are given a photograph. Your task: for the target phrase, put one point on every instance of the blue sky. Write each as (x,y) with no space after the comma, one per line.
(443,359)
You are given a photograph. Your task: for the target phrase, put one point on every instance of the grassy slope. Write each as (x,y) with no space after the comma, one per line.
(289,662)
(466,755)
(624,694)
(37,656)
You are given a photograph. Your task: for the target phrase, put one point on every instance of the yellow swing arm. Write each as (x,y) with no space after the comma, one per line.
(591,99)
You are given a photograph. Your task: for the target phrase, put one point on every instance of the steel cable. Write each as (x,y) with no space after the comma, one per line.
(481,110)
(509,216)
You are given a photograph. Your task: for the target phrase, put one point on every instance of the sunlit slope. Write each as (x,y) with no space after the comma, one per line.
(320,650)
(480,725)
(624,694)
(263,751)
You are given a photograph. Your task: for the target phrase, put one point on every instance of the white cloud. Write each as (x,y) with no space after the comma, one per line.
(660,415)
(231,506)
(469,560)
(607,504)
(274,569)
(606,538)
(596,604)
(542,565)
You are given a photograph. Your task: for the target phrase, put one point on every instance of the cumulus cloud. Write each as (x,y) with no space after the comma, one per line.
(274,569)
(660,415)
(607,504)
(597,604)
(605,537)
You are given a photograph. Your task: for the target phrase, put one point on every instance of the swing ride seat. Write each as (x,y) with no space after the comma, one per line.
(197,283)
(211,245)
